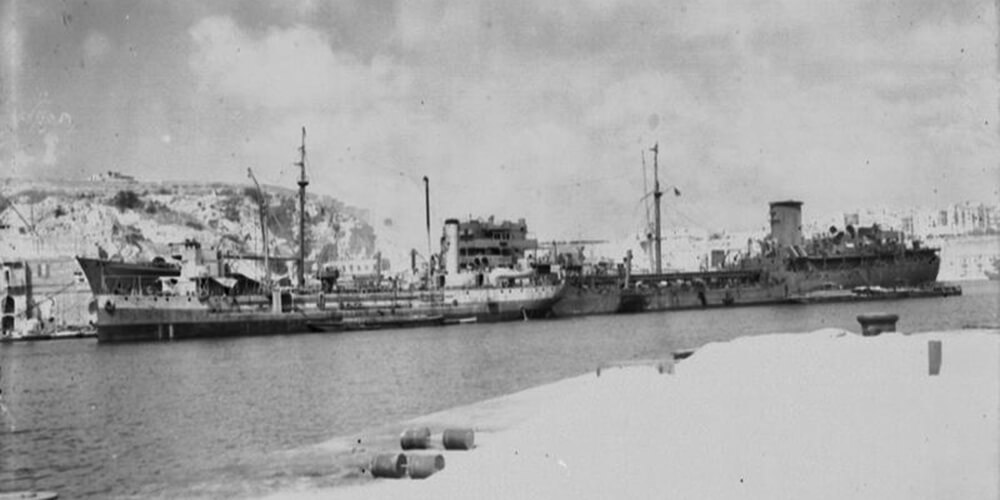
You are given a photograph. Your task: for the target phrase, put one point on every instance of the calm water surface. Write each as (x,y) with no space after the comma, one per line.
(219,418)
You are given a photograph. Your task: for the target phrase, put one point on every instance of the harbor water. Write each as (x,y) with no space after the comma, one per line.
(229,418)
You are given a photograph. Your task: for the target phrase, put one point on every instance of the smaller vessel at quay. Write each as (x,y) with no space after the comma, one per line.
(205,297)
(104,275)
(208,301)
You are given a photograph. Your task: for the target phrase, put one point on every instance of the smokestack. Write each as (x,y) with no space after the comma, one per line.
(451,240)
(786,223)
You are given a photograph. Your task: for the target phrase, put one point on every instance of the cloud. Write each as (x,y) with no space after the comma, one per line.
(95,47)
(51,154)
(363,125)
(11,50)
(550,104)
(292,68)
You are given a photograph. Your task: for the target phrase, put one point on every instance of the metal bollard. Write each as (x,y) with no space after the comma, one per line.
(875,323)
(934,357)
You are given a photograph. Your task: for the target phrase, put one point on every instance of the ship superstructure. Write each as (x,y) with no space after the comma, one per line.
(484,244)
(848,258)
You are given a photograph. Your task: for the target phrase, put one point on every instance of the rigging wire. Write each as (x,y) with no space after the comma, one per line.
(692,220)
(36,304)
(461,182)
(674,210)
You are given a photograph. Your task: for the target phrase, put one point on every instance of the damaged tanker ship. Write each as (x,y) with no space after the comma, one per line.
(789,269)
(857,263)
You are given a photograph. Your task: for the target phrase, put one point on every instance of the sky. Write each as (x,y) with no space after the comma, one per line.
(545,110)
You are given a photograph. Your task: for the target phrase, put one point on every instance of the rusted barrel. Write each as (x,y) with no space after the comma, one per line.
(391,465)
(415,439)
(458,439)
(875,323)
(423,466)
(934,357)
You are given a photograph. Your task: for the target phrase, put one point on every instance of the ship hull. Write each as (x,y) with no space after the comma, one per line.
(124,318)
(763,283)
(611,298)
(680,298)
(499,304)
(912,268)
(204,326)
(581,300)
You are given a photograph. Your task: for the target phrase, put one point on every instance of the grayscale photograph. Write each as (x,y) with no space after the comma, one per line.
(526,249)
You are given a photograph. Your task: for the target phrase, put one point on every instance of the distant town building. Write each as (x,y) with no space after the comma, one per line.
(15,219)
(851,220)
(907,225)
(15,296)
(955,220)
(112,176)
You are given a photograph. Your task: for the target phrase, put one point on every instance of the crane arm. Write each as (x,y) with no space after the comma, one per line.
(262,206)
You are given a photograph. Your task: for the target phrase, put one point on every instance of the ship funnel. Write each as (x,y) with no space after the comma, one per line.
(451,248)
(786,223)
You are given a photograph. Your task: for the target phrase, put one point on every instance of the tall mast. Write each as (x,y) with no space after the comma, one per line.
(657,194)
(303,182)
(427,211)
(645,192)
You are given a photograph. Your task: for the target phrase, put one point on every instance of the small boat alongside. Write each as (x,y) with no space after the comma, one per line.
(378,323)
(33,330)
(869,293)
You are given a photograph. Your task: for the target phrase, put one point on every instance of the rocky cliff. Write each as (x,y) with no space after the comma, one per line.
(136,221)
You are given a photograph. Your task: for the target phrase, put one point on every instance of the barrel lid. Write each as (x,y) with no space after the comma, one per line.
(29,495)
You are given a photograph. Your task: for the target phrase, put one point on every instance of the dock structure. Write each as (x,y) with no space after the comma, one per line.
(829,414)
